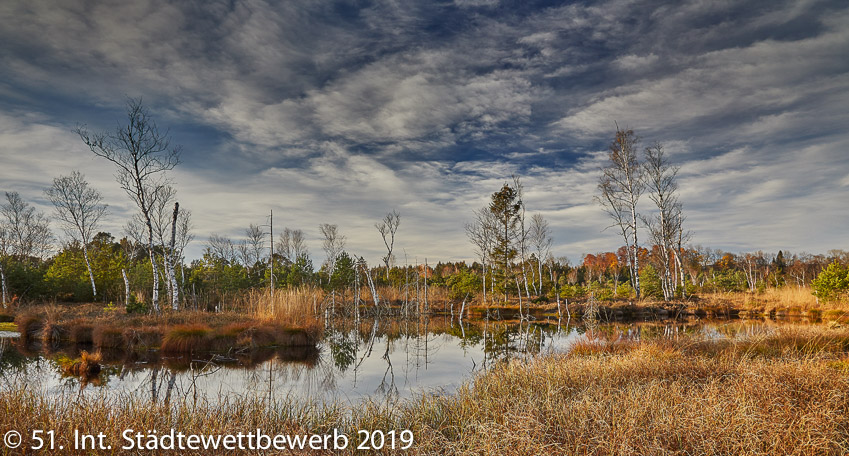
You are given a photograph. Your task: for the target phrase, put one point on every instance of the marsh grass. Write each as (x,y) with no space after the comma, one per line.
(780,392)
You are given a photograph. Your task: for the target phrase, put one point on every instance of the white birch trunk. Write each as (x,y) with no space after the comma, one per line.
(154,300)
(3,284)
(90,274)
(371,286)
(172,276)
(126,287)
(636,252)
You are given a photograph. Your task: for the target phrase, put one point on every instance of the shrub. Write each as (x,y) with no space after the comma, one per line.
(832,282)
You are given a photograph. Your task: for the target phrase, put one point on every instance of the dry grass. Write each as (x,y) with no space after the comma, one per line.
(187,339)
(88,365)
(781,393)
(788,297)
(108,336)
(300,307)
(287,320)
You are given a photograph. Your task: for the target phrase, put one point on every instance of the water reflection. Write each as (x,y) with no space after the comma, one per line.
(380,359)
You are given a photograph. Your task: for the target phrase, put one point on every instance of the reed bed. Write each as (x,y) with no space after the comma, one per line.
(783,392)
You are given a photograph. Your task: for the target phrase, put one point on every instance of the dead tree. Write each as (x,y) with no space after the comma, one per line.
(620,187)
(5,249)
(387,228)
(142,155)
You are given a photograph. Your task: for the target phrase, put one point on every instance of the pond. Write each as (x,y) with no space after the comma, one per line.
(379,360)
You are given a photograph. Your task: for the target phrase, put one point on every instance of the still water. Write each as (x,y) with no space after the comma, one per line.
(379,360)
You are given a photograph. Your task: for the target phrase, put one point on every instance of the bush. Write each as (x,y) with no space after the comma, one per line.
(832,282)
(136,306)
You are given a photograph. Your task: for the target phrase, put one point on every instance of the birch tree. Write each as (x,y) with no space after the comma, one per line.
(662,226)
(621,185)
(387,229)
(252,248)
(481,234)
(292,245)
(333,245)
(28,230)
(80,208)
(540,238)
(221,248)
(142,155)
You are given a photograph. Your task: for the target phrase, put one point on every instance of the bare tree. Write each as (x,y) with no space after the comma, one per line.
(80,208)
(28,231)
(222,248)
(333,245)
(142,155)
(660,179)
(292,244)
(252,248)
(481,233)
(387,228)
(621,185)
(540,238)
(666,226)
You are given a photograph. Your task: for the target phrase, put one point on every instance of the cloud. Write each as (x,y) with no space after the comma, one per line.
(331,114)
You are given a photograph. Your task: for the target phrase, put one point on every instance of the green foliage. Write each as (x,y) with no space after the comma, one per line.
(729,280)
(572,291)
(344,272)
(505,207)
(624,290)
(135,306)
(832,282)
(464,283)
(67,275)
(601,291)
(25,280)
(650,286)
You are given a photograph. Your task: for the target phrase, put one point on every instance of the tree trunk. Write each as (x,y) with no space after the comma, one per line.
(154,299)
(126,287)
(483,280)
(636,252)
(427,307)
(525,276)
(539,267)
(172,276)
(90,274)
(3,283)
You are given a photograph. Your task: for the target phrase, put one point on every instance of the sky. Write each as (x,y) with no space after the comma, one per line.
(339,112)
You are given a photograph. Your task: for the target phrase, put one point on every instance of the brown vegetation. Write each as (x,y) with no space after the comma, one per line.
(781,392)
